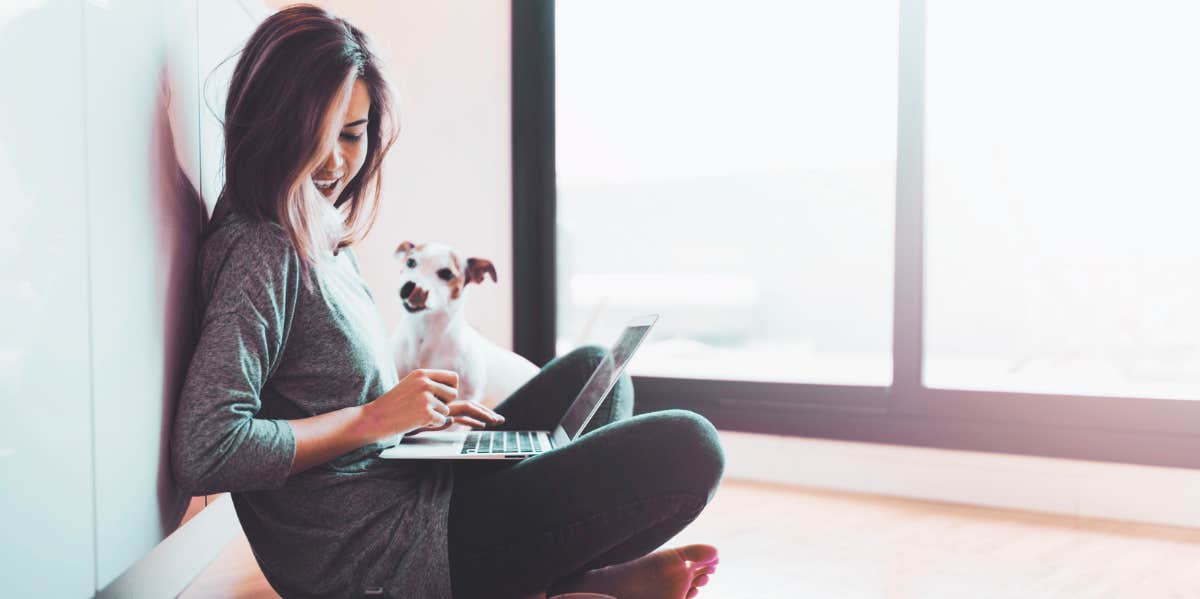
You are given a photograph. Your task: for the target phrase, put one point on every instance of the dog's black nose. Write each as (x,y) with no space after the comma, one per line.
(407,289)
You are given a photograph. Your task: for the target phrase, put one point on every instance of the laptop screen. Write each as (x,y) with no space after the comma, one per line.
(603,379)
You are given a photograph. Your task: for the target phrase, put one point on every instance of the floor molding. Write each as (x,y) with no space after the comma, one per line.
(1145,494)
(172,564)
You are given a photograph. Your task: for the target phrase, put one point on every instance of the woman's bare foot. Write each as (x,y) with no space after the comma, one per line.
(676,573)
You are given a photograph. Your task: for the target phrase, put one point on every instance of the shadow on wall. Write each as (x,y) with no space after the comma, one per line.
(179,216)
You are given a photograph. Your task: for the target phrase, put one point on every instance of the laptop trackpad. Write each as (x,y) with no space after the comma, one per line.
(433,439)
(426,445)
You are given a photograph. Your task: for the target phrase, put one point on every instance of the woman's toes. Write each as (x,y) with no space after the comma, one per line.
(692,592)
(698,552)
(699,582)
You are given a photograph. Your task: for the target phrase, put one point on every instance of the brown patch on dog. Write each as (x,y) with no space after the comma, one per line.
(404,247)
(476,268)
(459,281)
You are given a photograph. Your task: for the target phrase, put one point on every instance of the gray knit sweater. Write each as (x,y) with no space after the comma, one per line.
(270,351)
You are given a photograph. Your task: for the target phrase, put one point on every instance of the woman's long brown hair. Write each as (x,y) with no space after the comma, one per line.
(291,73)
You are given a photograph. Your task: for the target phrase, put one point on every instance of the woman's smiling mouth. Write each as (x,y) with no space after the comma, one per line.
(326,186)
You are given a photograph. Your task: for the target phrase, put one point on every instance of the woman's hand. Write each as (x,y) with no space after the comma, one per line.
(418,400)
(470,413)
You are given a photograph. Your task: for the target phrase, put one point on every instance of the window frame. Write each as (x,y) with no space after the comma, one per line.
(1135,430)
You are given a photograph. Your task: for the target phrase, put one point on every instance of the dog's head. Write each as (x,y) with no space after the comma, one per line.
(433,275)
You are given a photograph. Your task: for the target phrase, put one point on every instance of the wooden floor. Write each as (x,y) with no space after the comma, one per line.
(787,542)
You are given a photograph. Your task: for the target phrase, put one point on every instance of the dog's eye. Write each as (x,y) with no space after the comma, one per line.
(411,263)
(445,274)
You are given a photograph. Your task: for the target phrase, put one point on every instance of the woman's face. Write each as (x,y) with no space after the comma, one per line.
(342,163)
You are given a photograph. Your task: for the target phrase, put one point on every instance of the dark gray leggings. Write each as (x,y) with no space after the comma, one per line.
(621,490)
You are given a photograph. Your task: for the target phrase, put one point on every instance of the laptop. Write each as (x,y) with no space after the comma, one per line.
(518,445)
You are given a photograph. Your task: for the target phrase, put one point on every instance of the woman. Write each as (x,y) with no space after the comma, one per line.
(291,392)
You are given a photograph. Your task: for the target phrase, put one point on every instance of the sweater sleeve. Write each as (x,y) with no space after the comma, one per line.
(218,444)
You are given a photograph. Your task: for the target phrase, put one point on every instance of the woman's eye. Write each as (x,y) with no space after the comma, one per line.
(445,274)
(349,137)
(411,263)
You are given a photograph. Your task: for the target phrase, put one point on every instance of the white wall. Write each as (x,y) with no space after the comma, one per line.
(100,152)
(1073,488)
(46,470)
(448,178)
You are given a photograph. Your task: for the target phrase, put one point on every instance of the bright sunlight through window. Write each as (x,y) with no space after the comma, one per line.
(730,166)
(1063,140)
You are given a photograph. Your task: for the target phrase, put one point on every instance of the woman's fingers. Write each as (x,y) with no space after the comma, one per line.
(471,422)
(446,377)
(444,392)
(433,427)
(442,422)
(476,409)
(467,420)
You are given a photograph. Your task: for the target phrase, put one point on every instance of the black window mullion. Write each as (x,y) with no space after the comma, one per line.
(534,189)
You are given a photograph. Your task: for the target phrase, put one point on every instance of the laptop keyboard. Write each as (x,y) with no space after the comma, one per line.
(492,442)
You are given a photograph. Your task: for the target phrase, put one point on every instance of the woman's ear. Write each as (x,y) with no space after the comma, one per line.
(476,267)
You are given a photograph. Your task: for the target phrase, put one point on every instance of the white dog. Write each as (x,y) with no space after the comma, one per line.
(435,333)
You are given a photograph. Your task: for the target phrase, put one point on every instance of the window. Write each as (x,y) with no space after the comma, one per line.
(1061,198)
(926,222)
(700,177)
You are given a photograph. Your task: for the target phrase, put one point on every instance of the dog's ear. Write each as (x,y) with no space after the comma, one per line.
(403,249)
(476,267)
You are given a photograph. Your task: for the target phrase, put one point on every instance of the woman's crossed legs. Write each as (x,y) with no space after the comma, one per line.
(553,522)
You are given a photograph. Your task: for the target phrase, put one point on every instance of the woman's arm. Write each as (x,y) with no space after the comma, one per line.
(326,436)
(219,443)
(420,401)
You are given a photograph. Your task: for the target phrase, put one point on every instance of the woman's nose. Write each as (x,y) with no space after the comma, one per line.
(333,162)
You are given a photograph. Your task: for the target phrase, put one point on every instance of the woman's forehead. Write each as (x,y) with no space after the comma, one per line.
(360,102)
